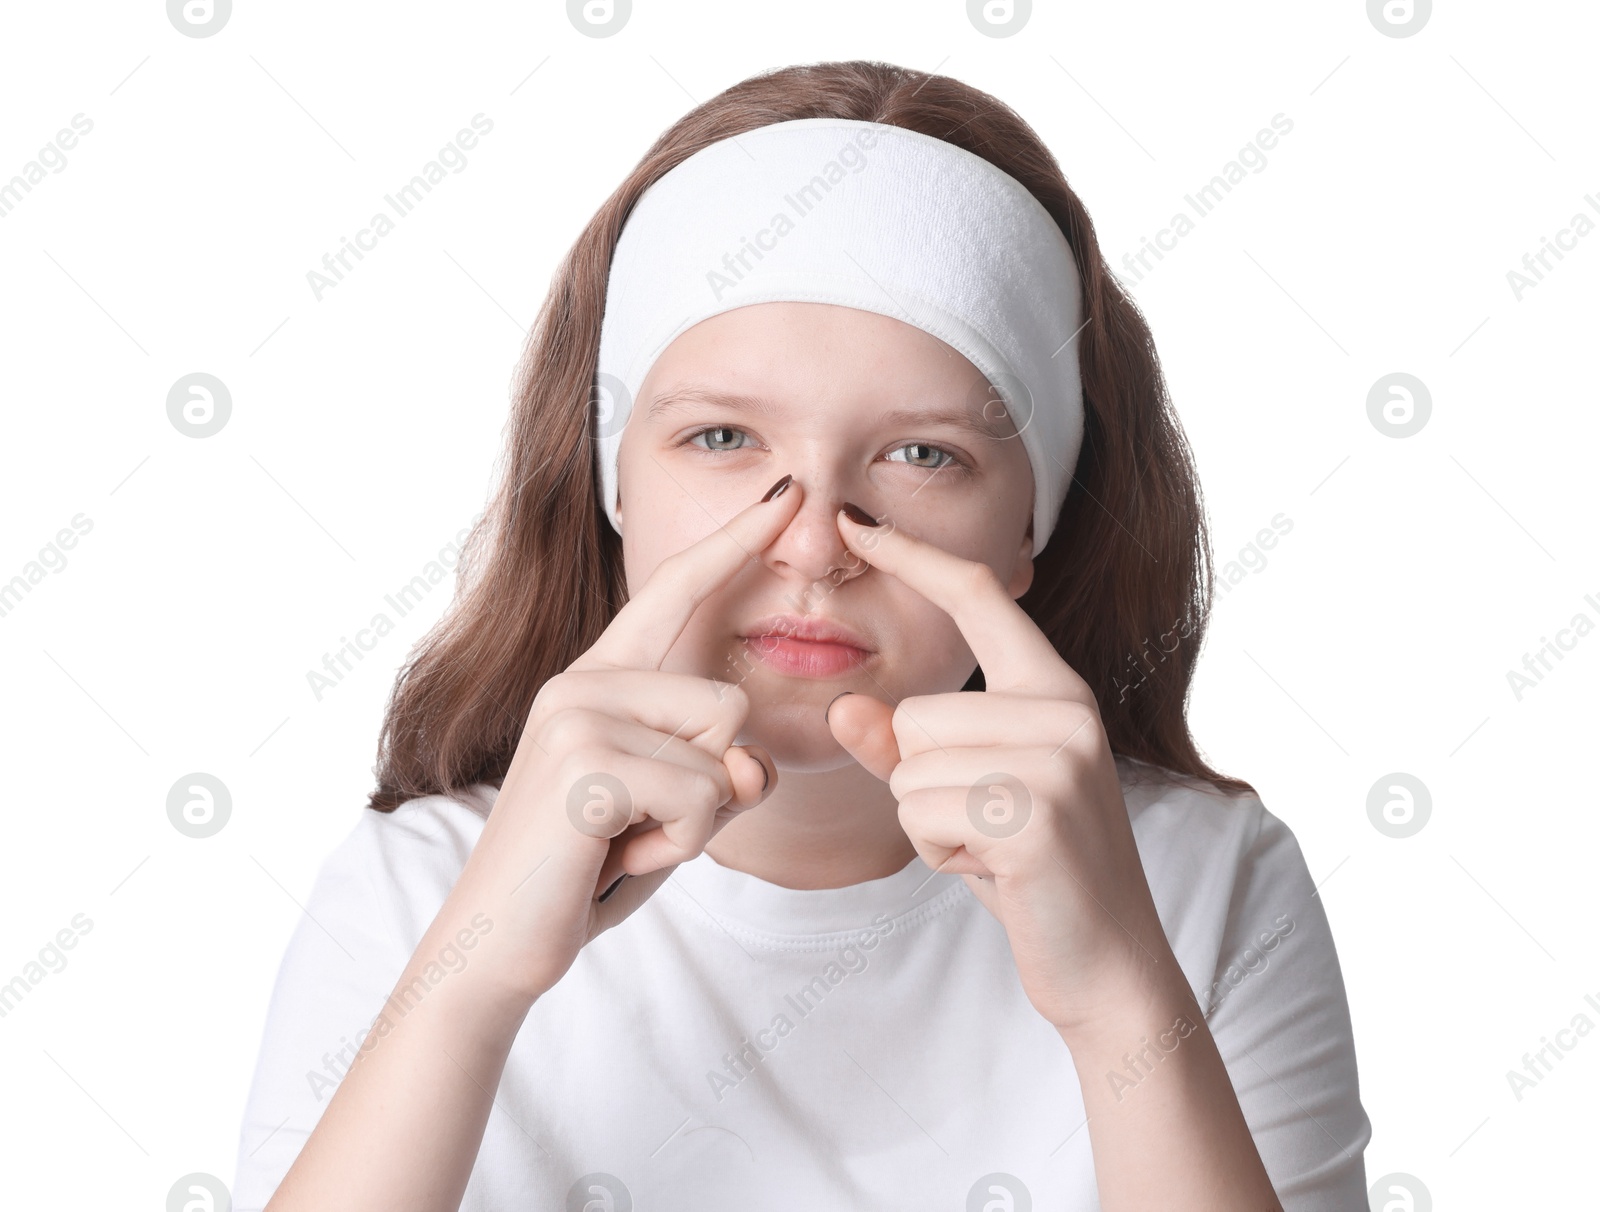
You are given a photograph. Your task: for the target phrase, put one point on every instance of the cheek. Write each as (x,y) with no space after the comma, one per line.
(658,518)
(670,523)
(986,530)
(930,652)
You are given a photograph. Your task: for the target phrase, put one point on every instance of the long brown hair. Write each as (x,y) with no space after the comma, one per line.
(1127,570)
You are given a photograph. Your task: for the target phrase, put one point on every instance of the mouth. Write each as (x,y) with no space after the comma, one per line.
(806,647)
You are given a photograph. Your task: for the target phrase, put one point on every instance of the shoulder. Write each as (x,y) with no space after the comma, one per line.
(406,860)
(1187,825)
(433,827)
(1215,861)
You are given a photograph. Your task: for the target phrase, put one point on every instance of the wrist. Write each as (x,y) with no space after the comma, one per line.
(457,964)
(1150,994)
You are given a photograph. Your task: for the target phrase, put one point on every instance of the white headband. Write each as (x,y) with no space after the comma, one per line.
(863,215)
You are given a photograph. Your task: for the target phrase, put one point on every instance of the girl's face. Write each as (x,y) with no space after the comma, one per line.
(857,407)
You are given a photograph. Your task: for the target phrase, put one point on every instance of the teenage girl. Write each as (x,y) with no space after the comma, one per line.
(821,840)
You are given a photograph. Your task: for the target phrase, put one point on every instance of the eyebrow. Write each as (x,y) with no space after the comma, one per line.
(679,399)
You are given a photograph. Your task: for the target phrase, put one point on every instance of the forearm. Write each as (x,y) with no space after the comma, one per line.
(403,1129)
(1164,1122)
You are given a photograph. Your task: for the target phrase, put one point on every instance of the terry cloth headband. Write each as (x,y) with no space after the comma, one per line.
(864,215)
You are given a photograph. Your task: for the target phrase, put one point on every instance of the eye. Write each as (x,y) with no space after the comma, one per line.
(937,457)
(717,435)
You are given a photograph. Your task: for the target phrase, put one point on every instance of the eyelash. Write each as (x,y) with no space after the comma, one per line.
(954,461)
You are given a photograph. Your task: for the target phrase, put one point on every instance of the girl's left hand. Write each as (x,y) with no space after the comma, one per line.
(1015,789)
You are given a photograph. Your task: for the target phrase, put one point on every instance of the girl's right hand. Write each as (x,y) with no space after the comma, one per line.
(621,768)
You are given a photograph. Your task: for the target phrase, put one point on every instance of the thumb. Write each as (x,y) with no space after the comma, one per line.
(862,725)
(754,774)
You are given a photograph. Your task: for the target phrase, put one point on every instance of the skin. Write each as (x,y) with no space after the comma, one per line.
(830,372)
(756,769)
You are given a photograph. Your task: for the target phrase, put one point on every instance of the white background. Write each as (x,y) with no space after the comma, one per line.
(365,428)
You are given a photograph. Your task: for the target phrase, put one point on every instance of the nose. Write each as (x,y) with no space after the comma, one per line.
(810,549)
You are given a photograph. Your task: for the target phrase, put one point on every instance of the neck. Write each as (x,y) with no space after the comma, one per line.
(823,830)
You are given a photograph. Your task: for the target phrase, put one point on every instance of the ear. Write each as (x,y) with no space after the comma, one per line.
(1022,575)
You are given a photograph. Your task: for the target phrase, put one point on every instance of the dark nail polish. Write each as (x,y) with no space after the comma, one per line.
(777,489)
(856,514)
(615,884)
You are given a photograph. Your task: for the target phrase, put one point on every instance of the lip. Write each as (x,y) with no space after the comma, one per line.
(806,647)
(811,630)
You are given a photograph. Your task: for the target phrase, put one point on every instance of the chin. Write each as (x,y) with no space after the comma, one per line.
(796,736)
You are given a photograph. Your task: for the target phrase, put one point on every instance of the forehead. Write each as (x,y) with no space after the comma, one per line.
(767,356)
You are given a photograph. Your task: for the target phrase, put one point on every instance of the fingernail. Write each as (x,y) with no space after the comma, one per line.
(831,702)
(767,778)
(614,885)
(777,489)
(858,515)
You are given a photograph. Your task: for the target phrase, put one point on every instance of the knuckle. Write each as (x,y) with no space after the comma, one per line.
(1088,692)
(704,790)
(1078,725)
(980,578)
(900,783)
(909,811)
(568,729)
(562,688)
(1094,728)
(546,701)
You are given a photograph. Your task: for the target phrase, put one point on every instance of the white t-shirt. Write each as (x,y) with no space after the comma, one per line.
(737,1044)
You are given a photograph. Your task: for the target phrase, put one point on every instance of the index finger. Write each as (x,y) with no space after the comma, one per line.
(647,626)
(1011,650)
